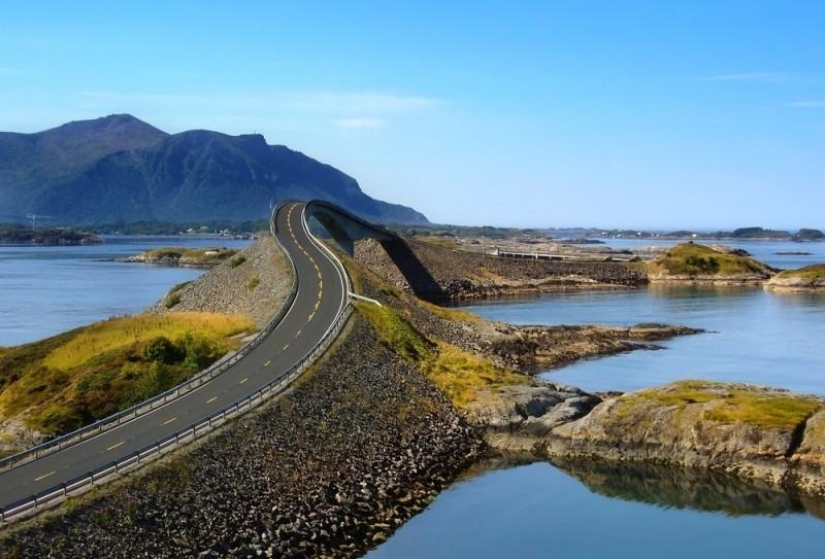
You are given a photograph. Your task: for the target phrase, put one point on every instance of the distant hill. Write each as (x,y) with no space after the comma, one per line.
(120,169)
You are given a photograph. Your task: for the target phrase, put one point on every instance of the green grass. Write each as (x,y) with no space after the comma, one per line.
(237,261)
(694,259)
(731,404)
(396,333)
(75,378)
(252,283)
(461,375)
(816,271)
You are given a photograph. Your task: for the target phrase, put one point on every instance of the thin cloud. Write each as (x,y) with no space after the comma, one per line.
(747,77)
(359,123)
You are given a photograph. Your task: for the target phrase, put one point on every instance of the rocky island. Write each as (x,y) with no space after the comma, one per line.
(54,236)
(207,257)
(809,278)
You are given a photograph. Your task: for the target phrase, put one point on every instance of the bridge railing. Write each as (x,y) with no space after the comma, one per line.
(56,494)
(114,420)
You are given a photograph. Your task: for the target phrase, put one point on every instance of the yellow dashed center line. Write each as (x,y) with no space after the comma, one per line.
(311,316)
(286,346)
(267,363)
(243,381)
(44,476)
(168,421)
(299,332)
(114,446)
(212,399)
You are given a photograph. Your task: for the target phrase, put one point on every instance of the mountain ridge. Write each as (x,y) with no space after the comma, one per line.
(121,169)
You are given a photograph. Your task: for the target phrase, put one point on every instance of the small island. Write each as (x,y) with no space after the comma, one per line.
(803,279)
(52,236)
(700,263)
(207,257)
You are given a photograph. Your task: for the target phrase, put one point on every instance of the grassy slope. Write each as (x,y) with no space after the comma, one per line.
(694,260)
(731,404)
(816,271)
(459,374)
(77,377)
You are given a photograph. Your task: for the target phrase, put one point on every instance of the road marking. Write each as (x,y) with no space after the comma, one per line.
(317,304)
(299,332)
(212,399)
(114,446)
(267,363)
(243,381)
(286,346)
(311,316)
(44,476)
(168,421)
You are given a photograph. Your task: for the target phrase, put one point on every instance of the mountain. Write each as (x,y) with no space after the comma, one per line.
(120,169)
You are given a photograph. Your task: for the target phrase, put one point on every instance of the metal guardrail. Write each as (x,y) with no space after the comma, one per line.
(54,495)
(114,420)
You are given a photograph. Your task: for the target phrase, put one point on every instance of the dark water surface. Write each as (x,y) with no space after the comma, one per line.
(47,290)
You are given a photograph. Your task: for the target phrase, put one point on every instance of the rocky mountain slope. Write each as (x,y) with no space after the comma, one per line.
(120,169)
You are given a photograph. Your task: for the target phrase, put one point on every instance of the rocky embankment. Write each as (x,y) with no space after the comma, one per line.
(254,283)
(332,468)
(440,274)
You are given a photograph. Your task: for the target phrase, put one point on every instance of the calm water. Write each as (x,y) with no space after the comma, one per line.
(47,290)
(582,511)
(539,510)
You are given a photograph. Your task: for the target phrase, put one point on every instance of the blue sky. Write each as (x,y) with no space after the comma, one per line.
(704,114)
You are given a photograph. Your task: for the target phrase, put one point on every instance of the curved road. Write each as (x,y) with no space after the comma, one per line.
(321,296)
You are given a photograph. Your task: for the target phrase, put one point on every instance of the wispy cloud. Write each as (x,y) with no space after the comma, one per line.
(744,77)
(359,123)
(808,104)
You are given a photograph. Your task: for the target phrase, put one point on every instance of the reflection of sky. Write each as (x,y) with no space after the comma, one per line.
(539,511)
(754,335)
(47,290)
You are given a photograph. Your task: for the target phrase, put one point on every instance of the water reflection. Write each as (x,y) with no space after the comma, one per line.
(683,488)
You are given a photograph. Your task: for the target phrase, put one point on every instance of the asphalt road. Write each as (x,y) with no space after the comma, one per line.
(321,295)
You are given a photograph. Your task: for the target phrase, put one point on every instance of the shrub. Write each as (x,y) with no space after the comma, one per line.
(237,261)
(161,350)
(253,282)
(171,300)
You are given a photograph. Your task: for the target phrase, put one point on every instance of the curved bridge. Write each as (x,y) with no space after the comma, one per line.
(312,317)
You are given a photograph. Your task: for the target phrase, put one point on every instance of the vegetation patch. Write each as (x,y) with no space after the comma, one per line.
(459,374)
(237,261)
(731,403)
(691,259)
(463,376)
(253,282)
(78,377)
(396,333)
(816,271)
